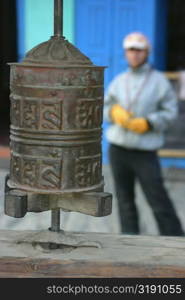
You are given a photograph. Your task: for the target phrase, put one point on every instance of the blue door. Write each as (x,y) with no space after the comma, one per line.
(100,26)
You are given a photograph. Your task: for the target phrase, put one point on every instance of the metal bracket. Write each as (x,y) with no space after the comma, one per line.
(19,202)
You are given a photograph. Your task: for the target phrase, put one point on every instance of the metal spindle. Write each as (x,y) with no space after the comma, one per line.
(55,220)
(58,32)
(58,18)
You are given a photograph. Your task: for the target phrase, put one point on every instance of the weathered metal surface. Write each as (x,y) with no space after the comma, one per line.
(56,51)
(56,117)
(95,204)
(16,203)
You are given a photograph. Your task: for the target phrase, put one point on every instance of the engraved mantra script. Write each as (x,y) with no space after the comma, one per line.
(15,112)
(46,115)
(66,78)
(36,114)
(89,113)
(88,171)
(37,173)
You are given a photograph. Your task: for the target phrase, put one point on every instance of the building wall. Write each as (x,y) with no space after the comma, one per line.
(35,22)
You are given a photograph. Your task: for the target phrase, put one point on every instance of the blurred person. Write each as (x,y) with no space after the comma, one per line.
(141,105)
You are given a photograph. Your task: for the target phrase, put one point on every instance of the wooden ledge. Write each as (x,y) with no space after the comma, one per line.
(172,75)
(175,153)
(118,256)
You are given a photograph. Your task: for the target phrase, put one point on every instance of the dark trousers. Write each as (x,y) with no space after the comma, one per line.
(127,165)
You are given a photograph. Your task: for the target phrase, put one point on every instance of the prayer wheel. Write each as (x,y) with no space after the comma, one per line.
(56,129)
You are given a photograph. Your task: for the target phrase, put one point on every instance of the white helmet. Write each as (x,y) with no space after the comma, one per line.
(136,40)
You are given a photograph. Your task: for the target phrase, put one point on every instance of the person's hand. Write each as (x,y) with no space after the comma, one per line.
(138,125)
(119,115)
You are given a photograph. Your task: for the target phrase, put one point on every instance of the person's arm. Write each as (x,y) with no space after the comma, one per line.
(113,111)
(167,111)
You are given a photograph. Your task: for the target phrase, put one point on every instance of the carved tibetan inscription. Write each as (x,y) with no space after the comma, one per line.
(30,114)
(15,112)
(39,173)
(88,171)
(43,115)
(29,172)
(51,116)
(50,174)
(89,113)
(16,168)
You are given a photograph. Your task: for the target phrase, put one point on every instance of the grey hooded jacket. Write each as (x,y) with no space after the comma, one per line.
(148,94)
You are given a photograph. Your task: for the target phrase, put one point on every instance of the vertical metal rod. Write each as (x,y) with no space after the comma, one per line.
(58,18)
(55,220)
(58,32)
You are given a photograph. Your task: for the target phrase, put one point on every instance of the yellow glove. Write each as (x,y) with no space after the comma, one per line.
(138,125)
(119,115)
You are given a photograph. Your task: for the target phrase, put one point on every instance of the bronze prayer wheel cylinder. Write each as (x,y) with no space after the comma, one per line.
(56,118)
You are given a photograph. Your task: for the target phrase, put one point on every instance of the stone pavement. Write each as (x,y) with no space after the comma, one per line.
(175,183)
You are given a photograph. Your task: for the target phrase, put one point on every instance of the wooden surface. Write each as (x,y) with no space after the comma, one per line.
(114,256)
(172,75)
(177,153)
